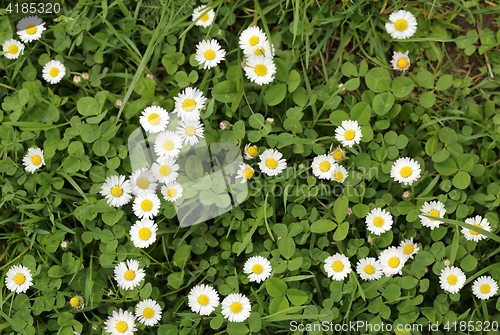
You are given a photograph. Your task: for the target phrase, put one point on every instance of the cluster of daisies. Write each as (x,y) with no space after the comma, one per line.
(271,163)
(402,24)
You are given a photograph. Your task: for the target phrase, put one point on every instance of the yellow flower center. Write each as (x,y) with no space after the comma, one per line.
(254,40)
(378,222)
(146,205)
(394,262)
(19,279)
(369,269)
(338,175)
(190,131)
(188,105)
(433,212)
(74,302)
(324,166)
(31,29)
(154,119)
(253,151)
(338,155)
(260,70)
(143,182)
(349,134)
(168,145)
(209,54)
(337,266)
(148,313)
(172,192)
(485,288)
(452,279)
(36,160)
(116,191)
(203,300)
(121,326)
(271,163)
(473,232)
(403,63)
(257,269)
(406,172)
(408,249)
(165,170)
(248,173)
(144,233)
(54,72)
(259,52)
(13,49)
(401,25)
(129,275)
(236,307)
(204,18)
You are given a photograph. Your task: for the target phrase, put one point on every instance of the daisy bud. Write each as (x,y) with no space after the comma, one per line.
(406,195)
(77,79)
(222,126)
(149,75)
(349,211)
(85,76)
(270,120)
(118,103)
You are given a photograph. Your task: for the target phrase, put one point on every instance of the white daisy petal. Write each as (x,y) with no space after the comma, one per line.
(402,25)
(260,69)
(477,221)
(33,160)
(392,260)
(405,170)
(189,103)
(245,173)
(435,209)
(323,166)
(191,132)
(251,38)
(120,323)
(143,233)
(154,119)
(378,221)
(251,151)
(203,299)
(348,133)
(452,279)
(337,266)
(339,173)
(165,170)
(271,162)
(146,205)
(53,71)
(209,54)
(236,307)
(12,49)
(30,28)
(148,312)
(257,268)
(484,287)
(172,191)
(205,20)
(18,279)
(400,61)
(263,48)
(168,144)
(369,269)
(143,180)
(128,275)
(409,248)
(116,190)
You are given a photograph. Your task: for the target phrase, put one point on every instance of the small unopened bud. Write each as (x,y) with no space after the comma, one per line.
(447,262)
(118,103)
(77,79)
(270,120)
(349,211)
(85,76)
(406,194)
(149,75)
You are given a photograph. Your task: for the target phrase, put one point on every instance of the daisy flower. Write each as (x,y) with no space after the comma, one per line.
(392,260)
(477,221)
(203,20)
(172,191)
(245,173)
(402,25)
(53,71)
(452,279)
(203,299)
(264,48)
(323,166)
(236,307)
(369,269)
(435,209)
(251,38)
(30,28)
(146,206)
(33,160)
(260,69)
(348,133)
(251,151)
(337,266)
(120,323)
(189,103)
(154,119)
(128,275)
(409,248)
(116,190)
(148,312)
(165,169)
(77,302)
(257,268)
(209,53)
(271,162)
(143,233)
(378,221)
(338,154)
(405,170)
(168,144)
(13,49)
(484,287)
(400,61)
(18,279)
(143,180)
(190,131)
(339,173)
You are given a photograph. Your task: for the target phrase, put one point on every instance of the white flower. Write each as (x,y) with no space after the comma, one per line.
(143,180)
(172,191)
(53,71)
(30,28)
(245,172)
(13,49)
(190,131)
(209,53)
(378,221)
(168,144)
(165,169)
(339,173)
(271,162)
(260,69)
(392,260)
(409,248)
(405,170)
(477,221)
(203,299)
(206,19)
(236,307)
(189,103)
(18,279)
(251,151)
(322,166)
(263,48)
(400,61)
(146,205)
(128,275)
(251,38)
(435,209)
(348,133)
(337,266)
(116,190)
(452,279)
(484,287)
(258,268)
(33,160)
(402,25)
(121,323)
(143,233)
(148,312)
(338,154)
(154,119)
(369,269)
